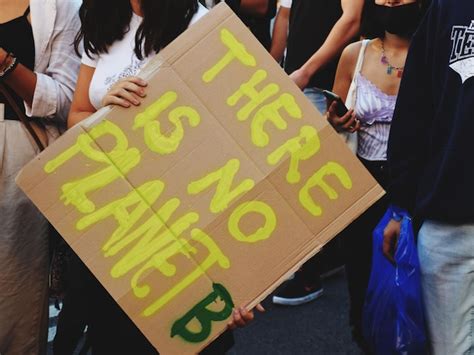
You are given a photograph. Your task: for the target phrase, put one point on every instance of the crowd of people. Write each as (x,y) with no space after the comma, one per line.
(403,68)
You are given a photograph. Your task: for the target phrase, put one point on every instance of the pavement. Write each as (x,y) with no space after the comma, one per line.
(320,327)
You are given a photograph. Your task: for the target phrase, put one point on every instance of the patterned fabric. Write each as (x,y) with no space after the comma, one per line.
(374,108)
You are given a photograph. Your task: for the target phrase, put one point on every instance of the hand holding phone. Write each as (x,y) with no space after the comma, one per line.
(341,108)
(339,116)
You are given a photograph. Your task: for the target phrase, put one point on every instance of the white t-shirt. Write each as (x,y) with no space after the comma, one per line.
(120,61)
(286,3)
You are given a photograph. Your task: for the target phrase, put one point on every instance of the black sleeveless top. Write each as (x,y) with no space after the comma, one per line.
(260,26)
(311,21)
(16,36)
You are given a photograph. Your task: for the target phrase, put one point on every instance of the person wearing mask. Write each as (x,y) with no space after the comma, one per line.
(368,79)
(114,53)
(314,33)
(38,71)
(429,154)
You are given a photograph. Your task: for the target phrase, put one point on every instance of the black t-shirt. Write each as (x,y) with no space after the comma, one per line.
(110,330)
(311,21)
(16,36)
(260,26)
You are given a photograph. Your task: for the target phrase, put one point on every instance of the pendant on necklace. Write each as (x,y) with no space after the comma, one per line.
(390,68)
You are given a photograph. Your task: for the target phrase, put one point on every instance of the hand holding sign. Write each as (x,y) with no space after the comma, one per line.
(224,173)
(241,317)
(126,92)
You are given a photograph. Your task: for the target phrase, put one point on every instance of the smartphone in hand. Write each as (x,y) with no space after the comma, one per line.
(341,108)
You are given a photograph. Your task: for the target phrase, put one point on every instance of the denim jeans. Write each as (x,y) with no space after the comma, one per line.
(447,274)
(317,98)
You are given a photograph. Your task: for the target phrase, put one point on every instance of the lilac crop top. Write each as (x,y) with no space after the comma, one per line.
(374,109)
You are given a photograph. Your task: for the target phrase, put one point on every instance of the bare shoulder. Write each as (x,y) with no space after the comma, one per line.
(351,52)
(348,59)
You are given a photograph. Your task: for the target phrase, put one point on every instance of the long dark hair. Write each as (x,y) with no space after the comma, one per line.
(105,21)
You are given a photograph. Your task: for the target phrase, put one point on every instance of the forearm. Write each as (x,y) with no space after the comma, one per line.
(280,35)
(23,82)
(342,33)
(76,117)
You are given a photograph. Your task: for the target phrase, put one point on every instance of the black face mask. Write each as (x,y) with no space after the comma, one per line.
(399,20)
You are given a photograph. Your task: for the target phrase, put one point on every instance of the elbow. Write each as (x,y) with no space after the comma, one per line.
(277,50)
(352,25)
(73,118)
(63,106)
(276,55)
(70,120)
(78,115)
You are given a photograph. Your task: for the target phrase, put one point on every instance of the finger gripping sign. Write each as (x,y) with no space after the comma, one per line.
(209,194)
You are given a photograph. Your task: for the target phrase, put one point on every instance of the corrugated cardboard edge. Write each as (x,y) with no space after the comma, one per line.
(165,59)
(333,229)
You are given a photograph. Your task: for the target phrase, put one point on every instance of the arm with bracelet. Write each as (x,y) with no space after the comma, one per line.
(8,64)
(38,70)
(16,76)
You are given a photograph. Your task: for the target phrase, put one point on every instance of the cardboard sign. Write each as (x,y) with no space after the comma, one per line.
(221,184)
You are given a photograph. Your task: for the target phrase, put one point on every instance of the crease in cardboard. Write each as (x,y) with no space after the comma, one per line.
(308,250)
(37,162)
(150,70)
(374,194)
(324,132)
(321,133)
(189,256)
(21,177)
(223,15)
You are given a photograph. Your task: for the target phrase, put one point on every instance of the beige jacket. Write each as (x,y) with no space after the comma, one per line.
(55,24)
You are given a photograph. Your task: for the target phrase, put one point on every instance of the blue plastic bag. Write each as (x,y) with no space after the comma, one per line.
(393,320)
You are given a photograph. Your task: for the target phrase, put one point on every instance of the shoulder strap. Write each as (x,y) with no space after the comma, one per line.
(27,12)
(21,116)
(352,94)
(360,59)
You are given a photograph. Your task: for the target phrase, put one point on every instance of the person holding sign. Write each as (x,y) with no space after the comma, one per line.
(368,79)
(38,71)
(114,53)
